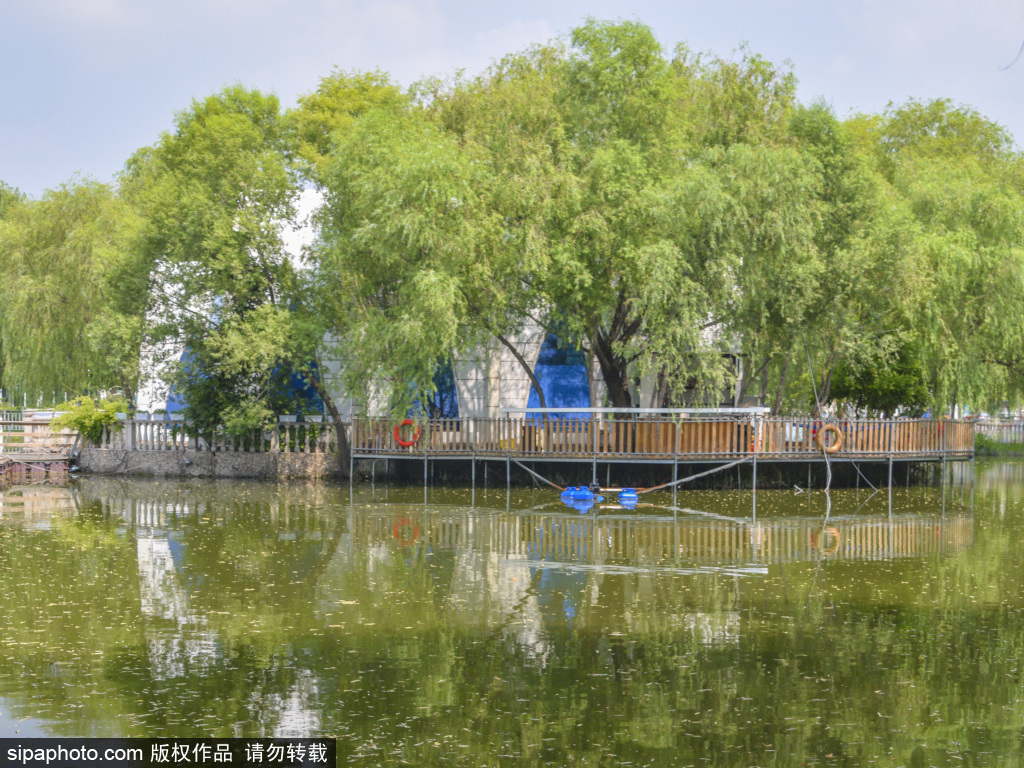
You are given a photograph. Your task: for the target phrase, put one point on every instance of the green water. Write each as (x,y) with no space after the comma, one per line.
(485,630)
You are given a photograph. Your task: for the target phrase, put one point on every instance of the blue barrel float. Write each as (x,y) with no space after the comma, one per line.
(580,498)
(628,497)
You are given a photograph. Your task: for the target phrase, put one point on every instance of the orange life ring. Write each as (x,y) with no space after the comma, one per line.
(398,434)
(836,444)
(830,533)
(396,531)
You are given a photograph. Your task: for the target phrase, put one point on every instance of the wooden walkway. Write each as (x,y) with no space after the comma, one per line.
(663,440)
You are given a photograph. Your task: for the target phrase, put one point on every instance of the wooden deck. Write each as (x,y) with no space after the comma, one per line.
(654,440)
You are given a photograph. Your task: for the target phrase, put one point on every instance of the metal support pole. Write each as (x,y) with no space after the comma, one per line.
(890,459)
(472,471)
(675,478)
(755,483)
(593,431)
(972,484)
(943,485)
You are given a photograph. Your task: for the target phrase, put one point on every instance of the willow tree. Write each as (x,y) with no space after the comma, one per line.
(216,195)
(587,187)
(405,238)
(73,290)
(9,197)
(962,182)
(324,117)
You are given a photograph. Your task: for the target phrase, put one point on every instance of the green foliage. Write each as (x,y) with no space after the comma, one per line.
(242,419)
(884,384)
(90,417)
(73,291)
(216,195)
(324,117)
(961,184)
(9,198)
(582,187)
(661,212)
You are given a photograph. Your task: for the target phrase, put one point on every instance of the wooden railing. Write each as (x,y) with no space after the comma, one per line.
(298,437)
(664,438)
(552,438)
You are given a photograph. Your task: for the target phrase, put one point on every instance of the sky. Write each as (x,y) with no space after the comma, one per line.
(85,83)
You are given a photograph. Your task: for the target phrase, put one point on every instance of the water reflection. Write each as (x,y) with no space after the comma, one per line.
(444,633)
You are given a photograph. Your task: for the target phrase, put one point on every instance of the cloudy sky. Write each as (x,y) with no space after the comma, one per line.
(84,83)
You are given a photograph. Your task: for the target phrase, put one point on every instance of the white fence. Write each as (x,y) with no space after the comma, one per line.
(1001,433)
(161,435)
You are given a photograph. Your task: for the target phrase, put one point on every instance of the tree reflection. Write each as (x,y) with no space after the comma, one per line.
(231,609)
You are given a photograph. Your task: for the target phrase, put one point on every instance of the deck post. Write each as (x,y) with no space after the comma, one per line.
(675,468)
(472,485)
(754,447)
(943,486)
(972,482)
(943,430)
(890,457)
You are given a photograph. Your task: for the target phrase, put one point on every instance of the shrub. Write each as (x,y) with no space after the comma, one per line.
(88,417)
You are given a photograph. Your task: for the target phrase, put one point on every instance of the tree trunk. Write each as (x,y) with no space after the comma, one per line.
(764,384)
(613,371)
(526,367)
(826,385)
(782,383)
(660,392)
(344,450)
(749,377)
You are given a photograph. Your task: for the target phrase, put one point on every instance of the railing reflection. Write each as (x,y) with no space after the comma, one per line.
(660,537)
(664,541)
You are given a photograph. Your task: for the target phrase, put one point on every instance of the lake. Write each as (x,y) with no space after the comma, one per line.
(476,628)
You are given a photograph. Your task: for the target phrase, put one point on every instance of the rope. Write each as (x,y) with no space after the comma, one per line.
(539,477)
(694,477)
(828,462)
(864,478)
